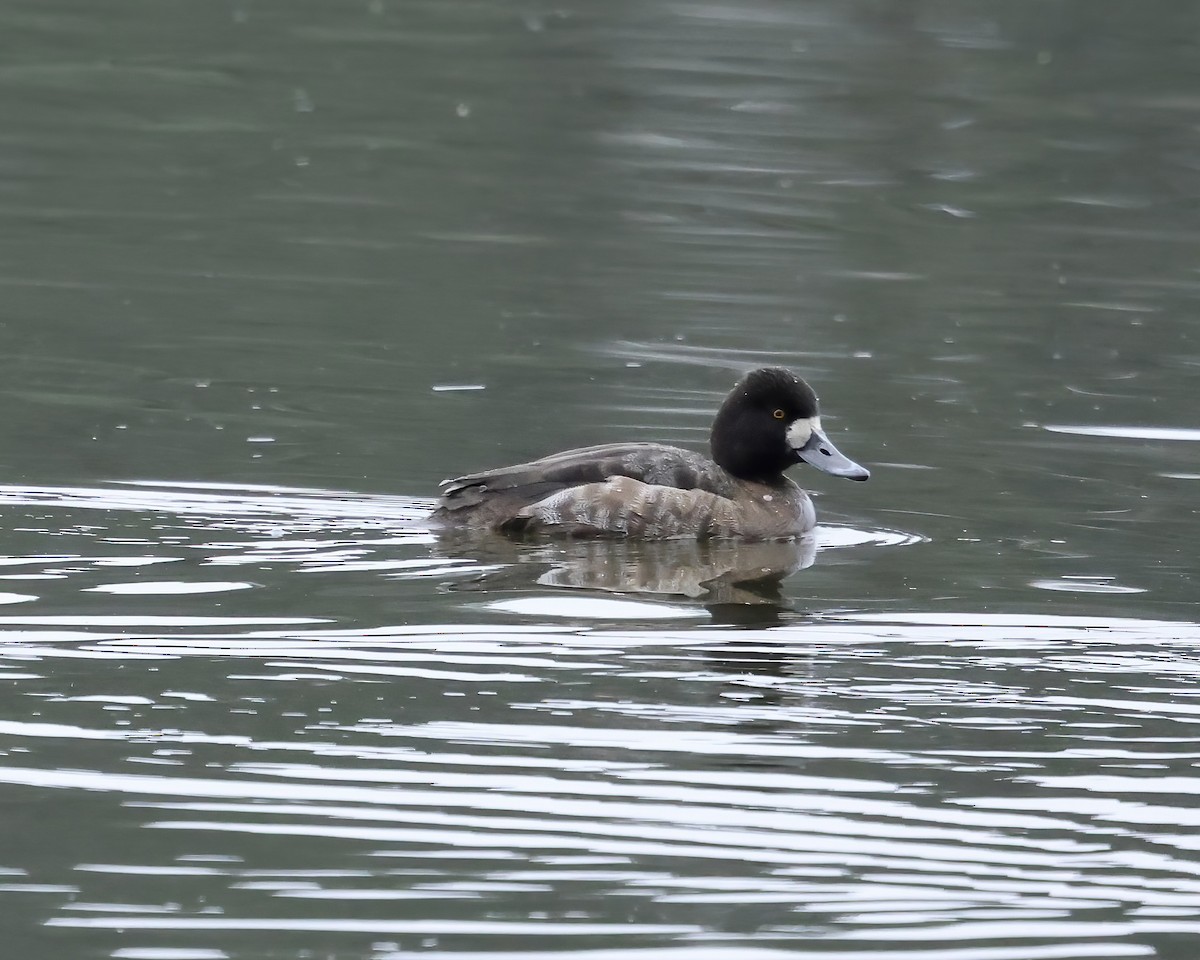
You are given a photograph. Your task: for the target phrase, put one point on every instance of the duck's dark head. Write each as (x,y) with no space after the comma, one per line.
(770,421)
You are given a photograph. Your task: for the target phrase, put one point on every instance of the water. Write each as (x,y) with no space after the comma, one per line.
(274,269)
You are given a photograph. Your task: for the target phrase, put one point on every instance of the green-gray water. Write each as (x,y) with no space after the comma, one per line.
(273,268)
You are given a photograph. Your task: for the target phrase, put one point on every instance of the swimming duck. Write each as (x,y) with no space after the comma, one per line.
(769,421)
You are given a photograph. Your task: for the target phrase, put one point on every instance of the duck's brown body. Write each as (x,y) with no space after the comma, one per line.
(641,490)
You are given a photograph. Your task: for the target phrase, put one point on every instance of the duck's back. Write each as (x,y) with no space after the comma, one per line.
(631,489)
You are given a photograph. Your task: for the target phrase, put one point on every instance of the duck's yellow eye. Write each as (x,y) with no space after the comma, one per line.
(779,415)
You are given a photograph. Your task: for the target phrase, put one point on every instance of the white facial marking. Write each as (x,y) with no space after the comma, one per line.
(799,432)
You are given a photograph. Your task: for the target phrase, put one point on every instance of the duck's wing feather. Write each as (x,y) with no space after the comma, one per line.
(526,483)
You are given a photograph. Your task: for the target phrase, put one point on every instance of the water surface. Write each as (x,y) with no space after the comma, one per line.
(272,270)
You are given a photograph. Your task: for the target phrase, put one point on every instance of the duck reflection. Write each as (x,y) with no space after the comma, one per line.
(716,573)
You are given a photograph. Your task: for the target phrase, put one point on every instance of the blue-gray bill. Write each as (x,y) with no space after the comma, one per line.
(823,455)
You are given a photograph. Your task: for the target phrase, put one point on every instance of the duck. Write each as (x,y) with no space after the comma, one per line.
(769,422)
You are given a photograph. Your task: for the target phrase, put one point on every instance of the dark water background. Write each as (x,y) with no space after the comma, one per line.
(272,269)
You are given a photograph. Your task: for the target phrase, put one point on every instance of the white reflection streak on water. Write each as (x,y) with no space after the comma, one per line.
(1127,433)
(515,928)
(1095,951)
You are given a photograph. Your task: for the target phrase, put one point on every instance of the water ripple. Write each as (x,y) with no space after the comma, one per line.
(441,779)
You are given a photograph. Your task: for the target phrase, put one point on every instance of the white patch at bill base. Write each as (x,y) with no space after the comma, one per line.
(799,432)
